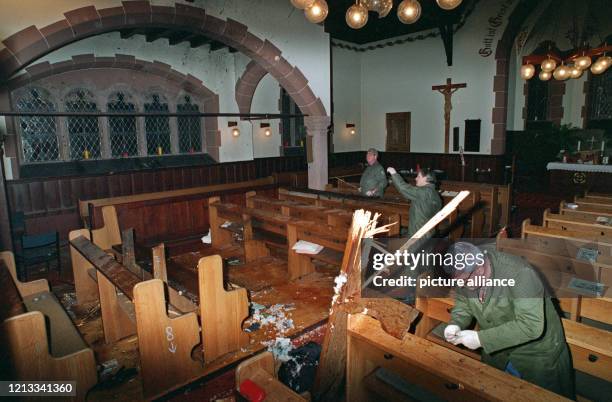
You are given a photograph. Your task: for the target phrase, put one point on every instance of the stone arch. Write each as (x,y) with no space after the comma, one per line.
(187,83)
(31,43)
(500,80)
(247,85)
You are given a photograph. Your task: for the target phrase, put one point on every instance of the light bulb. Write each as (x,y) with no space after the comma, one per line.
(302,4)
(582,62)
(373,5)
(385,8)
(561,73)
(548,65)
(605,62)
(448,4)
(352,131)
(235,132)
(409,11)
(267,132)
(317,12)
(356,16)
(575,72)
(545,75)
(527,71)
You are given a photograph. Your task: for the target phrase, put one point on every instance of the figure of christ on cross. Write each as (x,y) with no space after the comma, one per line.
(447,90)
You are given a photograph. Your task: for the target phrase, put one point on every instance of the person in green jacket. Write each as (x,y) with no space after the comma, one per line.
(373,180)
(520,331)
(424,200)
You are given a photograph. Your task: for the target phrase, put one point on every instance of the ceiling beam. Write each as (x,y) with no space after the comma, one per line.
(446,34)
(128,33)
(156,34)
(180,36)
(199,41)
(214,46)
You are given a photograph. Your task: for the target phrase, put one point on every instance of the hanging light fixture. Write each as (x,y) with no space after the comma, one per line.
(548,65)
(561,73)
(582,62)
(576,72)
(601,65)
(448,4)
(317,12)
(385,9)
(356,16)
(302,4)
(527,71)
(545,75)
(409,11)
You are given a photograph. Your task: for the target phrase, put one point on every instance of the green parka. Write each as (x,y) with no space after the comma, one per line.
(425,202)
(519,324)
(374,177)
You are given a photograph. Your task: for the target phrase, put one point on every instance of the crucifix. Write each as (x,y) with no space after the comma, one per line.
(447,90)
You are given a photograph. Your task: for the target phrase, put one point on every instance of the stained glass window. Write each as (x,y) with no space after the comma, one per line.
(83,132)
(38,133)
(123,137)
(189,128)
(157,128)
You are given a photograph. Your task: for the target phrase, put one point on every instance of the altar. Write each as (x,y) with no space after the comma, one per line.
(575,178)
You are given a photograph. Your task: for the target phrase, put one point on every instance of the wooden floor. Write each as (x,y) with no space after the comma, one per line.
(307,304)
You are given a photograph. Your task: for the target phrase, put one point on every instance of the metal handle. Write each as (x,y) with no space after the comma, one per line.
(388,356)
(593,358)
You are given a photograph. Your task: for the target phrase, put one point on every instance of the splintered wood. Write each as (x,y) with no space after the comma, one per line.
(396,316)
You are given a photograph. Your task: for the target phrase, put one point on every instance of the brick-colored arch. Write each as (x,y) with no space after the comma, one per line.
(187,82)
(247,84)
(500,80)
(31,43)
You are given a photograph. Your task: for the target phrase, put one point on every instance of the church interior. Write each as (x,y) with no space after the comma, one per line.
(201,200)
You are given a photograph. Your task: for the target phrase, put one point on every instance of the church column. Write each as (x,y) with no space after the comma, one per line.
(316,127)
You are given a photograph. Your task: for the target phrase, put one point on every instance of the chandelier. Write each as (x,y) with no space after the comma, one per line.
(408,11)
(554,66)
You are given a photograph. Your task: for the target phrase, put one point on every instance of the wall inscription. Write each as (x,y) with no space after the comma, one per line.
(493,24)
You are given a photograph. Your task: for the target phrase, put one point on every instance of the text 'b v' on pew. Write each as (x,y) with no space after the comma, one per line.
(39,342)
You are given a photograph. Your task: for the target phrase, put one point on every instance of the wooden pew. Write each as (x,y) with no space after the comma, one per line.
(39,341)
(419,361)
(219,213)
(262,371)
(604,205)
(597,196)
(584,211)
(578,224)
(578,237)
(166,344)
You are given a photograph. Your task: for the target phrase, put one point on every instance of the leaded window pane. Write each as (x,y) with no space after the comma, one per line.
(38,133)
(84,132)
(537,100)
(123,137)
(157,128)
(600,96)
(189,128)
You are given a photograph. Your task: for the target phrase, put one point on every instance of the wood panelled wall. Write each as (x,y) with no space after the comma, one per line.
(51,203)
(449,163)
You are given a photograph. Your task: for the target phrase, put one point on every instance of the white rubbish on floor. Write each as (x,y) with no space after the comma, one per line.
(226,224)
(277,316)
(207,238)
(306,247)
(280,348)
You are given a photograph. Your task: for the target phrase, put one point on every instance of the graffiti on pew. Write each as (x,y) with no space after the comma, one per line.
(170,339)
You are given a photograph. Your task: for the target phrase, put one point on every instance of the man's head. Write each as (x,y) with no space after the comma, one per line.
(425,177)
(469,261)
(372,156)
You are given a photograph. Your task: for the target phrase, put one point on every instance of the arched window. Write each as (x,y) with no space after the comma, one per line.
(189,128)
(83,132)
(157,128)
(123,138)
(38,133)
(599,101)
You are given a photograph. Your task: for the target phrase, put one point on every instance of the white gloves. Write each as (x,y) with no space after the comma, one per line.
(391,170)
(469,339)
(450,332)
(454,335)
(372,192)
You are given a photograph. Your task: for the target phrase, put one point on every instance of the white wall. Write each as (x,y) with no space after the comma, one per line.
(265,100)
(347,99)
(303,44)
(399,79)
